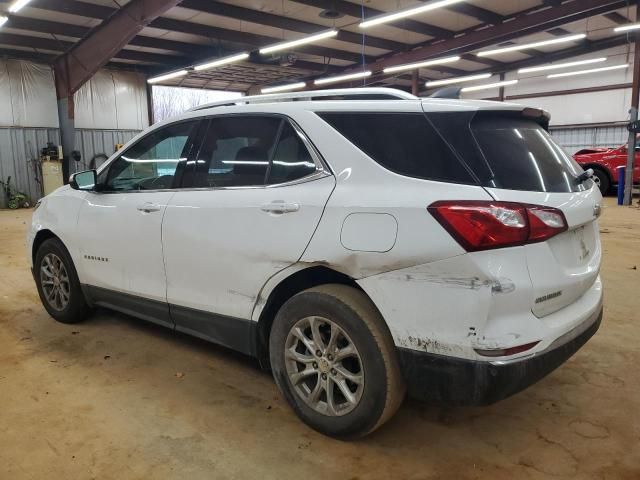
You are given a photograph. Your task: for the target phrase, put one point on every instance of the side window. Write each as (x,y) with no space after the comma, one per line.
(404,143)
(291,159)
(236,151)
(151,163)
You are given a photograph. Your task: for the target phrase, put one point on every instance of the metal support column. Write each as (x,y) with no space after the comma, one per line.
(633,114)
(415,80)
(501,91)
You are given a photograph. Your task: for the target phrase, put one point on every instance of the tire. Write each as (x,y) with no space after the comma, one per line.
(76,308)
(602,180)
(375,363)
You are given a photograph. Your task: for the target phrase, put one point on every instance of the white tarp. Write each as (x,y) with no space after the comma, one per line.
(27,95)
(110,100)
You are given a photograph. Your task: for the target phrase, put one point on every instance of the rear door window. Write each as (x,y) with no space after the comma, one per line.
(405,143)
(249,150)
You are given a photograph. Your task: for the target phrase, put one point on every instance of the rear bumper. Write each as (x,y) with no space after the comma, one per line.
(455,381)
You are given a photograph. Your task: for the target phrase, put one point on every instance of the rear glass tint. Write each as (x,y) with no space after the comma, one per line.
(404,143)
(523,156)
(506,150)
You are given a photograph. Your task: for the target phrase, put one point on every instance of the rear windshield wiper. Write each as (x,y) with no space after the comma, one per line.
(584,176)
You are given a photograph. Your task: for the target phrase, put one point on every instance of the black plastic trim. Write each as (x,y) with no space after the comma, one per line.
(231,332)
(151,310)
(235,333)
(455,381)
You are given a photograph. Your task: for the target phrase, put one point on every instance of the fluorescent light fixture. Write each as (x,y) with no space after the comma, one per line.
(221,61)
(17,5)
(428,63)
(627,28)
(167,76)
(300,41)
(392,17)
(489,85)
(449,81)
(3,20)
(557,66)
(284,88)
(340,78)
(584,72)
(515,48)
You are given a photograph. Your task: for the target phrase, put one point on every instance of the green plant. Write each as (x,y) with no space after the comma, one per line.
(15,199)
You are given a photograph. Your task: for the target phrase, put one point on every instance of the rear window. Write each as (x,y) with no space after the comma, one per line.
(505,150)
(523,156)
(404,143)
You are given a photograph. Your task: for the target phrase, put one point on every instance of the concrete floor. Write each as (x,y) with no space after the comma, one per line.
(115,398)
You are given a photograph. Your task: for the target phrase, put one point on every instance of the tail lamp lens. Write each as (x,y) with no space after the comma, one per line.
(485,225)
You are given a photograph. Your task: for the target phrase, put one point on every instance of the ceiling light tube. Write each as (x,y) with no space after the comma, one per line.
(392,17)
(221,61)
(490,85)
(449,81)
(428,63)
(3,20)
(515,48)
(627,28)
(167,76)
(557,66)
(17,5)
(298,42)
(284,88)
(341,78)
(584,72)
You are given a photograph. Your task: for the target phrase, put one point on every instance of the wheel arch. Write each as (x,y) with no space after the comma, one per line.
(600,167)
(298,281)
(39,239)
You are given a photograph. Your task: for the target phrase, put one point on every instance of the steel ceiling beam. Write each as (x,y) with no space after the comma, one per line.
(104,42)
(89,10)
(534,22)
(479,13)
(251,39)
(358,11)
(63,46)
(79,31)
(285,23)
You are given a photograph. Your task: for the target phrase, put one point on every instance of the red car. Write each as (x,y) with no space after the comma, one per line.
(605,163)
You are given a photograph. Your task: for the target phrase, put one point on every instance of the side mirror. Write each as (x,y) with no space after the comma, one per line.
(86,180)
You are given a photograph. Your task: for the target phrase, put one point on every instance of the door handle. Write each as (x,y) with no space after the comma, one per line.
(279,208)
(149,207)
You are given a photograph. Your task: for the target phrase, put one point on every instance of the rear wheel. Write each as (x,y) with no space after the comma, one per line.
(601,179)
(334,360)
(58,284)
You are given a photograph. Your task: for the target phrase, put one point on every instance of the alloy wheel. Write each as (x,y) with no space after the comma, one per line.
(324,366)
(55,282)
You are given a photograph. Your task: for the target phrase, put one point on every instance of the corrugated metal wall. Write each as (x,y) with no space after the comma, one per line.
(20,146)
(577,138)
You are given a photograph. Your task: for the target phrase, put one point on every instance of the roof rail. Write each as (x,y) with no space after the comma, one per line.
(374,93)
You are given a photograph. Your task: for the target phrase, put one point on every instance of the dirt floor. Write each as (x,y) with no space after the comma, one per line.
(116,398)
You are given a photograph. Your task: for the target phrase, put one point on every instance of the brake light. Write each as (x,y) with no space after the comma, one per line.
(484,225)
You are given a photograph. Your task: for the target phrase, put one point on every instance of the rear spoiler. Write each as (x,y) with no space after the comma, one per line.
(540,116)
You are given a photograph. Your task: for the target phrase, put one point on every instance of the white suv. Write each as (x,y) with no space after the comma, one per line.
(358,242)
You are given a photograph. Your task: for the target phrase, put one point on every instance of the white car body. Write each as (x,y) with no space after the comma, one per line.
(224,251)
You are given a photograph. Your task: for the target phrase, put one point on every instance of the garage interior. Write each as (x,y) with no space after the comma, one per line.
(119,398)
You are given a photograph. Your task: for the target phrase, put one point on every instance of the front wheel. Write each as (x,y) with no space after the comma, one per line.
(58,284)
(334,361)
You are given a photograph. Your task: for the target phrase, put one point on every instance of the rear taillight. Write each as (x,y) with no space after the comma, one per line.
(483,225)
